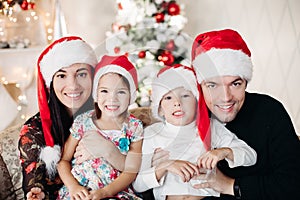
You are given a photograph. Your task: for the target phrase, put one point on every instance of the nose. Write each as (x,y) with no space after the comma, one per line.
(176,103)
(72,82)
(227,95)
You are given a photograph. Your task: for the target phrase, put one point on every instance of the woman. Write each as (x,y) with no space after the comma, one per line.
(65,71)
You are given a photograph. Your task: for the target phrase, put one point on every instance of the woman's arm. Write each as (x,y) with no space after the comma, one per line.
(64,169)
(88,148)
(33,169)
(132,165)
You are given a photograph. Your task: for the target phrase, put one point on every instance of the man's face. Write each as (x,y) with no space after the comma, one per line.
(224,96)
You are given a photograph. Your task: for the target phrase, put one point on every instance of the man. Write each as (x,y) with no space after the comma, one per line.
(223,66)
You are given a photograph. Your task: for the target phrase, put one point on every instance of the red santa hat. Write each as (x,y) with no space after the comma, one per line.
(221,53)
(61,53)
(172,77)
(120,65)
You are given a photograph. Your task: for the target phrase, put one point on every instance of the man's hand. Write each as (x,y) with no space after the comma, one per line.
(159,156)
(35,193)
(217,181)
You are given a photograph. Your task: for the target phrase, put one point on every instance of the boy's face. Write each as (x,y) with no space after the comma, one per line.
(178,107)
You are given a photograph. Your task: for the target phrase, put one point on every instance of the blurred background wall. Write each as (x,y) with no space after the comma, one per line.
(271,29)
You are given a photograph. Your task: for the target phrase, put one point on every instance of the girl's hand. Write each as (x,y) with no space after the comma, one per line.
(35,193)
(78,192)
(159,156)
(210,159)
(186,170)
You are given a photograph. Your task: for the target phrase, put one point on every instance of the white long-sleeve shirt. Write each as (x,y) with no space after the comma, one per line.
(184,143)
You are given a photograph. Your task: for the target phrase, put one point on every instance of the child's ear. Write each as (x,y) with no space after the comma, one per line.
(160,111)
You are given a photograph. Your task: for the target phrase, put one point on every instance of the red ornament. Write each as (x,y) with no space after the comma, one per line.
(173,9)
(120,7)
(142,54)
(24,5)
(31,5)
(117,50)
(166,57)
(170,45)
(160,17)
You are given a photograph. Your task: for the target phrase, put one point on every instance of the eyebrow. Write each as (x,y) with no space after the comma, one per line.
(235,80)
(78,70)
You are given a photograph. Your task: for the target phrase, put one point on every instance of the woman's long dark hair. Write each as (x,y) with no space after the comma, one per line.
(61,121)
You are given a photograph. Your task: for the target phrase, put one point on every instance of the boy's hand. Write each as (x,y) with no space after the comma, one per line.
(210,159)
(186,170)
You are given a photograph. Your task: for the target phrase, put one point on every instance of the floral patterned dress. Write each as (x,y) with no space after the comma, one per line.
(97,173)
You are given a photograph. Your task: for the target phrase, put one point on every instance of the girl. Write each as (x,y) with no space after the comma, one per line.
(115,85)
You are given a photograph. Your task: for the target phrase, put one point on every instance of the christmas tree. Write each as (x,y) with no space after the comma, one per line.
(150,33)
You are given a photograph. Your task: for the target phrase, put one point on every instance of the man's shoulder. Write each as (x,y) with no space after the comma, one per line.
(262,99)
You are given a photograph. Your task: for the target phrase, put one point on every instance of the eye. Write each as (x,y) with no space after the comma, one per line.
(186,95)
(82,75)
(211,85)
(167,98)
(103,91)
(122,92)
(237,83)
(60,75)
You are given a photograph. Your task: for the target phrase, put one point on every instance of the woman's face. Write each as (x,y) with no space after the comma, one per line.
(73,85)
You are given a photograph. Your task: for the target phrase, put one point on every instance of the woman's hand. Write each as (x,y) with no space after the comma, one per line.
(98,194)
(93,145)
(35,193)
(78,192)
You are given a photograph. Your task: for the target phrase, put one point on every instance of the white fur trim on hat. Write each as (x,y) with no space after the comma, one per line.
(51,156)
(222,62)
(114,69)
(65,54)
(168,80)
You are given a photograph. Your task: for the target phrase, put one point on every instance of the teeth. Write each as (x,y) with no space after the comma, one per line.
(112,107)
(178,113)
(73,95)
(225,107)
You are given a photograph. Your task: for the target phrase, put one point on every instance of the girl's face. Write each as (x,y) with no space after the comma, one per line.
(73,85)
(113,95)
(178,107)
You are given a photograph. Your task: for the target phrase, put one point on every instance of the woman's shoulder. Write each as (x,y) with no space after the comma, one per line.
(33,124)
